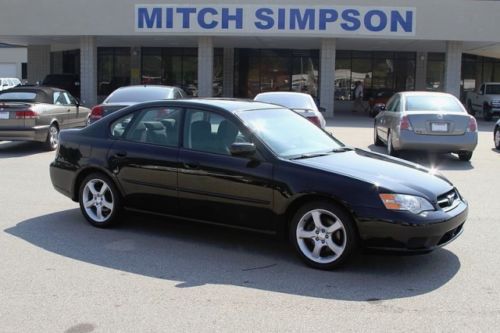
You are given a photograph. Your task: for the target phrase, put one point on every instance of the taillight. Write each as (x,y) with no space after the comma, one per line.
(405,124)
(26,114)
(315,120)
(97,112)
(472,127)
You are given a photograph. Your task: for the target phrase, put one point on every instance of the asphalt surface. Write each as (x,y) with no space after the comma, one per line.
(59,274)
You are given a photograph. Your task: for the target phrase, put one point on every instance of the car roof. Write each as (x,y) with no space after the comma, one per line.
(35,89)
(145,86)
(424,93)
(231,105)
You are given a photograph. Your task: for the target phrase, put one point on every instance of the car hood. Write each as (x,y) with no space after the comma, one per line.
(387,173)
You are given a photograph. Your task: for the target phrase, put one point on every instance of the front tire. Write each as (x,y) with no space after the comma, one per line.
(323,234)
(470,109)
(99,200)
(487,115)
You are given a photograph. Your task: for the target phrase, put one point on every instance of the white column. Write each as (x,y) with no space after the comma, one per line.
(453,69)
(205,66)
(327,73)
(228,81)
(421,71)
(38,62)
(88,71)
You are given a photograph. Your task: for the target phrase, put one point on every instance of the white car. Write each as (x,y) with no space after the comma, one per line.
(302,104)
(7,83)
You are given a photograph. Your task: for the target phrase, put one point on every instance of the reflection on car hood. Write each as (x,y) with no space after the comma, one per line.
(388,173)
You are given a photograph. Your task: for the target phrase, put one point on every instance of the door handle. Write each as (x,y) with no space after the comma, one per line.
(121,154)
(191,165)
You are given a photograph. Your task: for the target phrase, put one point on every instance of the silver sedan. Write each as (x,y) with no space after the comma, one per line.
(426,121)
(38,114)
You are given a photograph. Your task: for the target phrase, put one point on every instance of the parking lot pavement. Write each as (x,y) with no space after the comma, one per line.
(59,274)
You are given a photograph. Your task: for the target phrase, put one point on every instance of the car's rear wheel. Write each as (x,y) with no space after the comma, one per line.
(323,234)
(465,156)
(52,140)
(497,138)
(376,139)
(390,148)
(99,200)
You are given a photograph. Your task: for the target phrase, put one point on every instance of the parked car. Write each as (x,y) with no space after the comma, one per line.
(8,82)
(496,135)
(485,101)
(68,82)
(301,103)
(378,102)
(255,166)
(126,96)
(38,114)
(426,121)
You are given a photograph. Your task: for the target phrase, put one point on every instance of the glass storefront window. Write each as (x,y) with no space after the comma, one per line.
(435,72)
(113,69)
(275,70)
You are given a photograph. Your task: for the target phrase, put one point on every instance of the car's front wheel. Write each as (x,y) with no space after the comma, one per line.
(323,234)
(99,200)
(376,139)
(390,148)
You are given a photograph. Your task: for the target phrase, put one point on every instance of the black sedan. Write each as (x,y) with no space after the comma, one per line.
(130,95)
(255,166)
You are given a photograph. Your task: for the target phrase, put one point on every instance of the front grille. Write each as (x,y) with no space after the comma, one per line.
(448,200)
(495,103)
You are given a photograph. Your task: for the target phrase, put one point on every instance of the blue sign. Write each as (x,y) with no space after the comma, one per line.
(252,19)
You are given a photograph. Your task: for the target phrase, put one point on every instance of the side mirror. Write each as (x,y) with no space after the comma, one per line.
(243,149)
(322,109)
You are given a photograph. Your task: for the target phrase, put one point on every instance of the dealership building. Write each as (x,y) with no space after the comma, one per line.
(241,48)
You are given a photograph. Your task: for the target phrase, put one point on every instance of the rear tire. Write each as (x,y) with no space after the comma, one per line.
(390,148)
(52,140)
(497,138)
(323,234)
(376,139)
(465,156)
(99,200)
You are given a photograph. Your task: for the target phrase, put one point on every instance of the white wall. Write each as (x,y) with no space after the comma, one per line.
(447,20)
(14,56)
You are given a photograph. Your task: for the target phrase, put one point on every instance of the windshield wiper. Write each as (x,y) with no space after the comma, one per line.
(304,156)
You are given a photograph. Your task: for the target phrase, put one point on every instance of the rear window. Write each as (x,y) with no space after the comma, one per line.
(291,101)
(17,96)
(433,103)
(493,89)
(137,95)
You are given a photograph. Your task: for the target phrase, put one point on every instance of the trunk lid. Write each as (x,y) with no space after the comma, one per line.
(438,123)
(9,116)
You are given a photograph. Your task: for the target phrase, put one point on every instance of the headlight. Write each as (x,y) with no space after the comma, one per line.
(410,203)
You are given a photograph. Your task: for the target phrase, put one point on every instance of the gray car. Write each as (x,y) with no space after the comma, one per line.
(426,121)
(38,114)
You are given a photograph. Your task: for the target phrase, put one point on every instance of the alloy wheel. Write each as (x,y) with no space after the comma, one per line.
(321,236)
(98,200)
(497,138)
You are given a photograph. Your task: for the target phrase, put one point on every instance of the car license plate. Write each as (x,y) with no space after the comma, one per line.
(439,127)
(4,115)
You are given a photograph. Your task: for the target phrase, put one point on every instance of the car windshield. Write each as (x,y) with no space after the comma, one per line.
(289,135)
(17,96)
(493,89)
(138,95)
(291,101)
(432,103)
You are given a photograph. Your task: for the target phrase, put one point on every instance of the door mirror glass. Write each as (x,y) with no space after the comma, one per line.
(244,149)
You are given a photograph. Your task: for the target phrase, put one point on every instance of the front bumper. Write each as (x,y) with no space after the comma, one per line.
(404,231)
(38,133)
(409,140)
